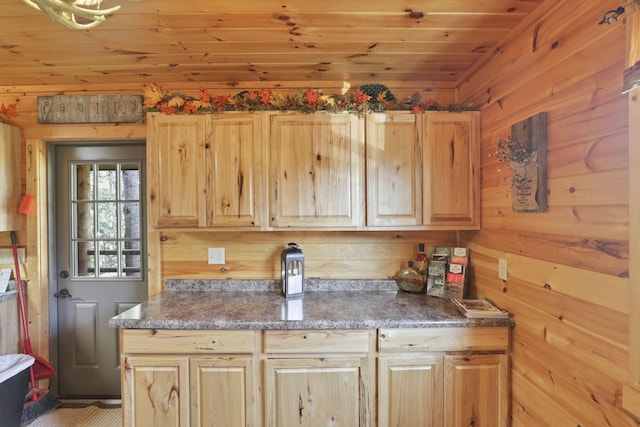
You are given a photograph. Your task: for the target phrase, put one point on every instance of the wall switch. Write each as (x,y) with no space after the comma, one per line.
(502,268)
(216,256)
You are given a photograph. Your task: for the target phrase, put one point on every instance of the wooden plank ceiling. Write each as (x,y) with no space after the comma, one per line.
(257,40)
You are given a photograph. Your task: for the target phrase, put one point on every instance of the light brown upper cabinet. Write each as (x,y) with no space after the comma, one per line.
(316,171)
(204,170)
(10,190)
(451,164)
(394,169)
(308,171)
(423,170)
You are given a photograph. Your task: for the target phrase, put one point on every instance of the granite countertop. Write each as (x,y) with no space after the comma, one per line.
(327,304)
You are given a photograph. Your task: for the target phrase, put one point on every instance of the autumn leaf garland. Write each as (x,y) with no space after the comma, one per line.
(308,101)
(8,112)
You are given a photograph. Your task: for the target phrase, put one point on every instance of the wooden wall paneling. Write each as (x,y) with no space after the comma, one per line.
(585,399)
(327,254)
(10,334)
(631,392)
(527,400)
(547,42)
(593,154)
(608,223)
(10,191)
(155,283)
(604,256)
(593,287)
(604,322)
(588,86)
(610,325)
(590,390)
(608,188)
(37,252)
(603,148)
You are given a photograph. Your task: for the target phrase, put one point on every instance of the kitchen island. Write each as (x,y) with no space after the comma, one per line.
(349,353)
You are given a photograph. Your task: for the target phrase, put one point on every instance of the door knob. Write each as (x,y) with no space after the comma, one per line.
(63,293)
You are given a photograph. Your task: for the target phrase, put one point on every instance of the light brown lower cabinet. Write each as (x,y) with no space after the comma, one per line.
(410,391)
(449,377)
(177,378)
(318,378)
(476,390)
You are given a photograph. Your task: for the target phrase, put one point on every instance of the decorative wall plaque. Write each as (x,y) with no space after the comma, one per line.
(529,175)
(90,109)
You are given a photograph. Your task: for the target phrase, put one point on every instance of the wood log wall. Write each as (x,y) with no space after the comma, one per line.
(568,268)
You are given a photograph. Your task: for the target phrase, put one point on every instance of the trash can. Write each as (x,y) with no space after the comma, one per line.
(14,381)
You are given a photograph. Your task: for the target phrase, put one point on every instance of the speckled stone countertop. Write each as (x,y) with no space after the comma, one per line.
(327,304)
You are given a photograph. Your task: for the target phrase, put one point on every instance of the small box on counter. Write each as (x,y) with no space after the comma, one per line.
(437,272)
(447,272)
(460,256)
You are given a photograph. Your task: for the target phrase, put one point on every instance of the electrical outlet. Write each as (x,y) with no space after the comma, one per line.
(502,268)
(216,256)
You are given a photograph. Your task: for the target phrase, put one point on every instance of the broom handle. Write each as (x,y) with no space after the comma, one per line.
(26,342)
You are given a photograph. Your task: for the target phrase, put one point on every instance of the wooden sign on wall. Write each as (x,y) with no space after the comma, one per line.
(90,109)
(529,178)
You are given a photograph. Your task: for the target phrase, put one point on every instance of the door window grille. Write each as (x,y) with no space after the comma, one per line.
(106,220)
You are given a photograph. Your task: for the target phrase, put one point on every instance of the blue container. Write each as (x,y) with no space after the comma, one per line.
(14,382)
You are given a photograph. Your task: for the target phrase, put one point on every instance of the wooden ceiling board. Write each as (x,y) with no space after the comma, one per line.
(258,40)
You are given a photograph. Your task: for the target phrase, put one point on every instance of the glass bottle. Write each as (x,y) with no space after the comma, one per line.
(410,280)
(421,261)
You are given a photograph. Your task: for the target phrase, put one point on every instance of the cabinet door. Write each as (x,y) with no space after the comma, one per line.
(316,169)
(222,392)
(476,390)
(394,169)
(155,391)
(176,170)
(410,391)
(451,161)
(314,392)
(10,139)
(234,169)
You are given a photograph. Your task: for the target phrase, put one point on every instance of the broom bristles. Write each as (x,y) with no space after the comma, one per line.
(34,408)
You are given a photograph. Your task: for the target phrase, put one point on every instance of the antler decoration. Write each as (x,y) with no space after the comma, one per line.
(66,11)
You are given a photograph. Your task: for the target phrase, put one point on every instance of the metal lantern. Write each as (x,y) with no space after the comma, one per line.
(292,271)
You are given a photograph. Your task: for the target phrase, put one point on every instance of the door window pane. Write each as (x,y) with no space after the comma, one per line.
(130,182)
(84,184)
(85,256)
(107,220)
(108,260)
(131,258)
(130,219)
(83,228)
(107,189)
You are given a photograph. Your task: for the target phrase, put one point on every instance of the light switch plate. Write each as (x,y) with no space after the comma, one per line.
(502,268)
(216,256)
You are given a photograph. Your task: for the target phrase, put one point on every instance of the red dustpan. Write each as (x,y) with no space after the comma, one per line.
(41,368)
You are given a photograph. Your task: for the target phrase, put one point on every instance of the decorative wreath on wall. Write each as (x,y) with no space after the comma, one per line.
(367,98)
